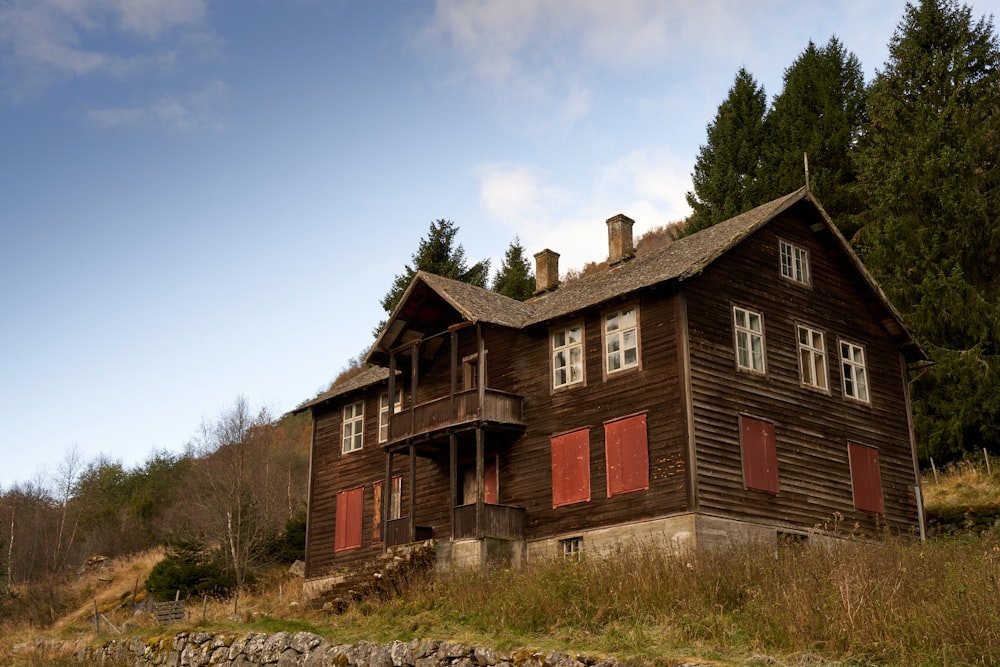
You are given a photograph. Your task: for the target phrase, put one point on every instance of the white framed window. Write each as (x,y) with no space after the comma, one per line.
(567,356)
(794,262)
(395,511)
(354,427)
(621,339)
(812,358)
(571,548)
(383,413)
(749,327)
(855,374)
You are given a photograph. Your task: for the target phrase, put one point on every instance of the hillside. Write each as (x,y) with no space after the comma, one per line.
(899,602)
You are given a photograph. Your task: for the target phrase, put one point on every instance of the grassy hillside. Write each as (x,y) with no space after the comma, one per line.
(899,602)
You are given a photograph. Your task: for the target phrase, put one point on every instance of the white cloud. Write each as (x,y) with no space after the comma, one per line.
(64,37)
(200,110)
(647,185)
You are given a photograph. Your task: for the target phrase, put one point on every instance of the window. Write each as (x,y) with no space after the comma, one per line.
(383,413)
(470,372)
(749,339)
(812,358)
(621,339)
(354,427)
(852,359)
(348,529)
(794,262)
(394,510)
(567,356)
(571,548)
(571,468)
(627,454)
(866,480)
(760,457)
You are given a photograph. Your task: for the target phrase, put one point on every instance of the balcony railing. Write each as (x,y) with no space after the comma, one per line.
(500,521)
(498,407)
(397,531)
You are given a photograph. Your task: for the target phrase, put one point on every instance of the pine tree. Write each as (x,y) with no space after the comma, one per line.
(437,253)
(820,112)
(928,162)
(514,278)
(726,173)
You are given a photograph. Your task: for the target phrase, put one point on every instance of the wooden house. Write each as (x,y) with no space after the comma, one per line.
(746,382)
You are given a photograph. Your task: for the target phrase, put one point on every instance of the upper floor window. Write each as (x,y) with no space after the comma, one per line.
(383,413)
(794,262)
(354,426)
(812,358)
(567,356)
(621,339)
(852,358)
(749,339)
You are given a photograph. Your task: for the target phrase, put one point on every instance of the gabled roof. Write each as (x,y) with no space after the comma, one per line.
(433,303)
(366,378)
(679,260)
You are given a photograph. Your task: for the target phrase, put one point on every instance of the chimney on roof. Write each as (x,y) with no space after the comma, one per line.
(620,246)
(546,271)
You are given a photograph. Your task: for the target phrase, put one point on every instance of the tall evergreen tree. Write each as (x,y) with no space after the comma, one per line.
(931,234)
(726,173)
(437,253)
(514,278)
(820,112)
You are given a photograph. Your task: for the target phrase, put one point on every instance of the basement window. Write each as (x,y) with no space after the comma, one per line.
(571,548)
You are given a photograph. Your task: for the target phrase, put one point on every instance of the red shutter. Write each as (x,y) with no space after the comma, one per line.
(349,510)
(760,457)
(866,479)
(627,454)
(571,468)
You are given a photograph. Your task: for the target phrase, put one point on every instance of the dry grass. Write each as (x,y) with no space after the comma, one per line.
(898,602)
(965,483)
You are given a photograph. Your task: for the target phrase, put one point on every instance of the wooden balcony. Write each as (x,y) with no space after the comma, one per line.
(397,531)
(497,407)
(500,521)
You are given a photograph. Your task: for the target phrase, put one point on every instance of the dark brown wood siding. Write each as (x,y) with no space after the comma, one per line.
(653,388)
(812,427)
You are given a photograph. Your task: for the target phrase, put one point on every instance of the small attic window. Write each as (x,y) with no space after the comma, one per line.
(794,262)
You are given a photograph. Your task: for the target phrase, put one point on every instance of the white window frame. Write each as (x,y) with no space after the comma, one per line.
(621,339)
(812,358)
(854,372)
(383,413)
(353,429)
(745,334)
(794,262)
(395,507)
(563,364)
(571,548)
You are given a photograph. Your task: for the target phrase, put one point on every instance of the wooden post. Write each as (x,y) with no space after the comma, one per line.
(386,500)
(934,468)
(989,473)
(452,478)
(97,620)
(413,493)
(204,607)
(480,479)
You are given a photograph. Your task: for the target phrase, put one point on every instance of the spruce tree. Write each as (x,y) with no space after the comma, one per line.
(437,253)
(931,234)
(726,173)
(820,112)
(514,278)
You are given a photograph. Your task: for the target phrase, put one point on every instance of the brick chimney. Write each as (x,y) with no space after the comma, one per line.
(620,246)
(546,271)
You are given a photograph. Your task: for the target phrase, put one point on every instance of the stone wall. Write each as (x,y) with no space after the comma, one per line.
(285,649)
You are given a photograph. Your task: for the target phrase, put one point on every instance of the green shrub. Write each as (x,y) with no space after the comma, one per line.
(192,569)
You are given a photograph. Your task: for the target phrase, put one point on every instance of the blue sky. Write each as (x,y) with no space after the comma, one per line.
(201,199)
